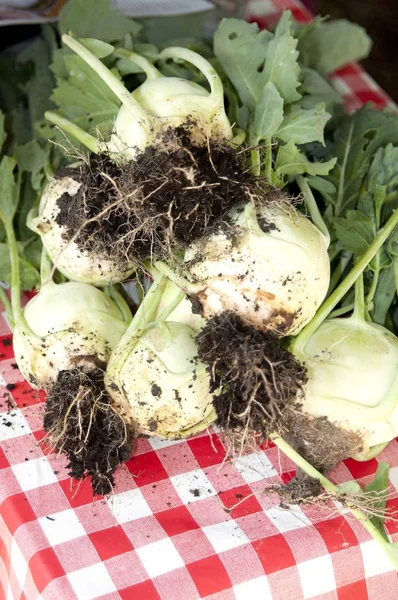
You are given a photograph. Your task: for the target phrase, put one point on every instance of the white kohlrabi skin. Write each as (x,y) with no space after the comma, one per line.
(72,324)
(163,102)
(352,378)
(160,384)
(274,280)
(88,267)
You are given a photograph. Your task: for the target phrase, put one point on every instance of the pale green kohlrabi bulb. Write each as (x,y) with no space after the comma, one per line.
(95,267)
(159,382)
(67,326)
(271,268)
(352,378)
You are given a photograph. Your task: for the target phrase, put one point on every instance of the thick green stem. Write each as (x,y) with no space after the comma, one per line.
(375,280)
(342,311)
(117,87)
(256,162)
(77,132)
(147,309)
(7,306)
(122,305)
(268,160)
(359,304)
(312,206)
(363,518)
(15,276)
(149,69)
(45,267)
(349,280)
(339,270)
(171,306)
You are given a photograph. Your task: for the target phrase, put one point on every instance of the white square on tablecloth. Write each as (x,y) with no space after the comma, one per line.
(254,467)
(19,425)
(225,536)
(34,473)
(160,557)
(317,576)
(91,582)
(65,527)
(19,564)
(192,486)
(258,589)
(375,561)
(287,520)
(393,476)
(158,443)
(128,506)
(2,381)
(341,86)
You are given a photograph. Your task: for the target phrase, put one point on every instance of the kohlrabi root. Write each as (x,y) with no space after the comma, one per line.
(260,379)
(83,423)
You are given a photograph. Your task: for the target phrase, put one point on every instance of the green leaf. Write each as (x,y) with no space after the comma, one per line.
(3,135)
(8,189)
(281,66)
(268,114)
(350,488)
(355,144)
(96,19)
(383,170)
(385,293)
(29,276)
(321,184)
(379,485)
(302,126)
(334,44)
(355,231)
(291,161)
(242,49)
(84,98)
(99,48)
(316,89)
(31,157)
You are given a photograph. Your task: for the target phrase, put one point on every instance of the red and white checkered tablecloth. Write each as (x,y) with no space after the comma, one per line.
(165,532)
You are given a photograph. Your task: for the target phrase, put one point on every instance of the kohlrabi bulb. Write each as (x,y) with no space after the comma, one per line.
(159,382)
(76,263)
(163,102)
(68,325)
(270,266)
(352,368)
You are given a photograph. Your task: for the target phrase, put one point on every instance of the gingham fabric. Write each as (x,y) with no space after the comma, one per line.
(167,531)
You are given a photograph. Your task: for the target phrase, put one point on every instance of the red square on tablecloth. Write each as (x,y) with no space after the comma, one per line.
(207,450)
(78,493)
(6,349)
(361,469)
(392,510)
(209,576)
(353,591)
(111,542)
(146,468)
(24,395)
(45,567)
(142,591)
(16,511)
(243,496)
(274,553)
(336,533)
(3,460)
(176,520)
(42,439)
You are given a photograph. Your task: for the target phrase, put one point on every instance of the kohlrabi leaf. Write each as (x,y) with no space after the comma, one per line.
(3,135)
(302,126)
(32,158)
(242,50)
(379,487)
(29,276)
(355,144)
(355,231)
(96,19)
(291,161)
(84,98)
(8,189)
(316,89)
(384,170)
(385,294)
(333,44)
(268,114)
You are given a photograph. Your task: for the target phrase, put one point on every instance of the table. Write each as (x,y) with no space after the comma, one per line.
(167,532)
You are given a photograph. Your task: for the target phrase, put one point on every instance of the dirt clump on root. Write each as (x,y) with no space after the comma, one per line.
(320,441)
(260,379)
(82,422)
(169,195)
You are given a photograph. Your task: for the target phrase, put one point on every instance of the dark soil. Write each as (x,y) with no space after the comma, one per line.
(83,424)
(299,489)
(260,379)
(168,196)
(320,442)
